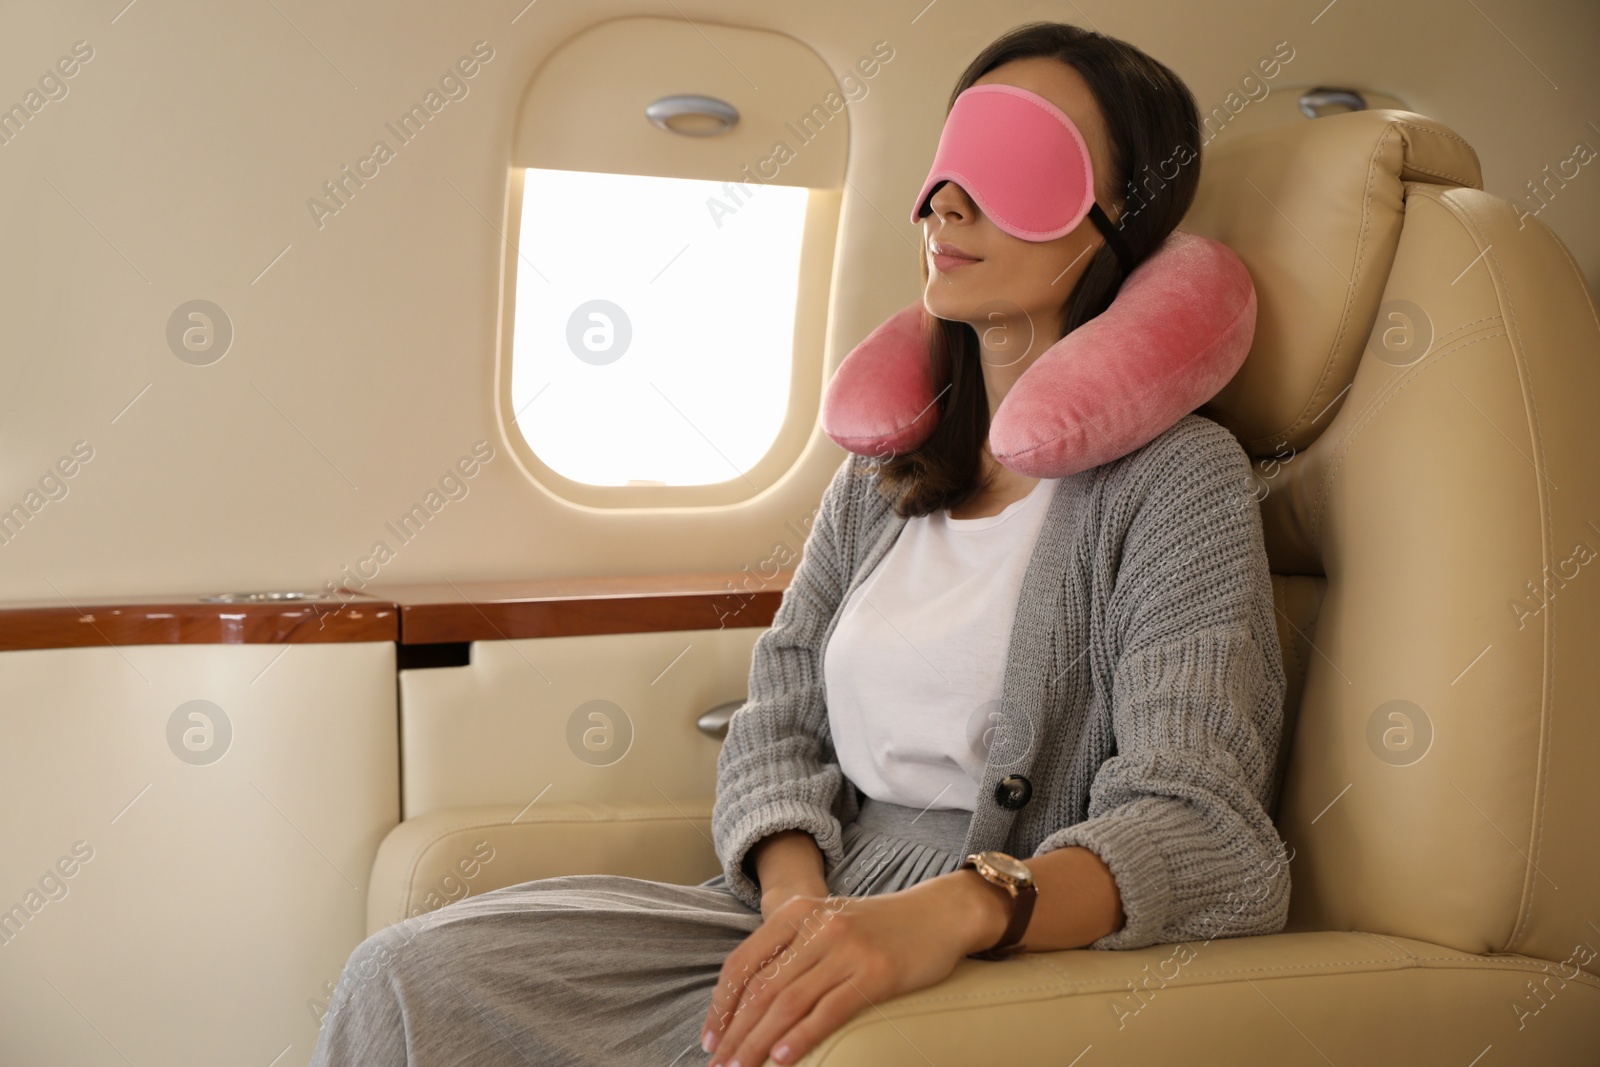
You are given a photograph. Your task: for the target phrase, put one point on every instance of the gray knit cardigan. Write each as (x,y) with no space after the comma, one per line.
(1142,697)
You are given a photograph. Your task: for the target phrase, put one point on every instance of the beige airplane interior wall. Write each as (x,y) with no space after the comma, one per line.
(176,162)
(611,697)
(188,841)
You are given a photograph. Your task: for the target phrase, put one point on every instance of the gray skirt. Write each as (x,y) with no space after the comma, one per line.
(586,969)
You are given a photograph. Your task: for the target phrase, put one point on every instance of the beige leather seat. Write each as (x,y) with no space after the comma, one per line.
(1426,372)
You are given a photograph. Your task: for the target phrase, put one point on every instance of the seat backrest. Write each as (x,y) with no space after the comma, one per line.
(1423,398)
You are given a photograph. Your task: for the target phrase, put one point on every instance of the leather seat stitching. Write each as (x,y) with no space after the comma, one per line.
(1436,132)
(1541,783)
(1344,317)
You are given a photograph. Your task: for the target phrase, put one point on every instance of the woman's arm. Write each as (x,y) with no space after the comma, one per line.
(1078,903)
(788,863)
(1078,900)
(1178,814)
(772,771)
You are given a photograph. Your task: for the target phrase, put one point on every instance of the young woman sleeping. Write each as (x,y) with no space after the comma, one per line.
(1024,691)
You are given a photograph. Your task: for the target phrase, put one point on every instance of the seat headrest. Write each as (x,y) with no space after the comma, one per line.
(1314,208)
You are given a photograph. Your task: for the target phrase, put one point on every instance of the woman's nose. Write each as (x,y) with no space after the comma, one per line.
(950,197)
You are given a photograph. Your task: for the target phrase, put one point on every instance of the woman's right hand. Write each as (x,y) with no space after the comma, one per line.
(775,896)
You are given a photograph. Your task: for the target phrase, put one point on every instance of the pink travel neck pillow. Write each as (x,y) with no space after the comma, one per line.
(1179,329)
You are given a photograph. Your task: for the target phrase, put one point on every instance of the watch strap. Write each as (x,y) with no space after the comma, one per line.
(1010,942)
(1022,901)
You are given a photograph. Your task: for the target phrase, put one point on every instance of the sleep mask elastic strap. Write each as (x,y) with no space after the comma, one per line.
(1114,240)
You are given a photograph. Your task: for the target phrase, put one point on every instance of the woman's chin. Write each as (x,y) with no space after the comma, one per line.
(950,299)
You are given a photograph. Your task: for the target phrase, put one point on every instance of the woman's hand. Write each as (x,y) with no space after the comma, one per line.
(816,961)
(774,896)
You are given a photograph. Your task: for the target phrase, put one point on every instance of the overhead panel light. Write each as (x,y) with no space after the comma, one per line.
(693,115)
(1314,100)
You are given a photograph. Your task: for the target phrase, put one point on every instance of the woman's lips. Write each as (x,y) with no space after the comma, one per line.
(946,263)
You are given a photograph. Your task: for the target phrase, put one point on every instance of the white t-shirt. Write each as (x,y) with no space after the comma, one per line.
(915,663)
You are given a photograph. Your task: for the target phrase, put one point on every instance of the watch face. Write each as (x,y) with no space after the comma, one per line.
(1009,866)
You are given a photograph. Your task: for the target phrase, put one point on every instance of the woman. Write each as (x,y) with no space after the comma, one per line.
(1080,672)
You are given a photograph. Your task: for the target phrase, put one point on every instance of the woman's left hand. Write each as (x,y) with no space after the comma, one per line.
(817,961)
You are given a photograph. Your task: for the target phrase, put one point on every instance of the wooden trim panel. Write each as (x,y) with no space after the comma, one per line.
(189,620)
(412,614)
(435,612)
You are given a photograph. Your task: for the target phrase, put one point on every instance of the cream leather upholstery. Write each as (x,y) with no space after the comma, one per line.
(447,855)
(1429,522)
(1436,499)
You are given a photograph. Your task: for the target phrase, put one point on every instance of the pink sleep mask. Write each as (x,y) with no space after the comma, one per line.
(1023,161)
(1179,329)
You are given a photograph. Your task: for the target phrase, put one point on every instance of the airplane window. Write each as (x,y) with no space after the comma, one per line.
(654,323)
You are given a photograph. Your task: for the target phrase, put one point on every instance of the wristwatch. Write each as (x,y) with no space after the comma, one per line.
(1014,876)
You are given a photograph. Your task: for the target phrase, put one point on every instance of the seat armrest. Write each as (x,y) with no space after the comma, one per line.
(444,856)
(1316,997)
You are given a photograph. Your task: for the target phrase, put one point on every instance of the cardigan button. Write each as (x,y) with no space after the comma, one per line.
(1013,791)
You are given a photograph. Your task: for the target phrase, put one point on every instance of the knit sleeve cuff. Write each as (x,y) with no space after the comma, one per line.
(1124,844)
(763,820)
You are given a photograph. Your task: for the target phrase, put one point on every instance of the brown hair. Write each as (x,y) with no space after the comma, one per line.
(1149,113)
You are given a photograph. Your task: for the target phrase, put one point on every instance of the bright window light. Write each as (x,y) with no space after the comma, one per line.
(654,327)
